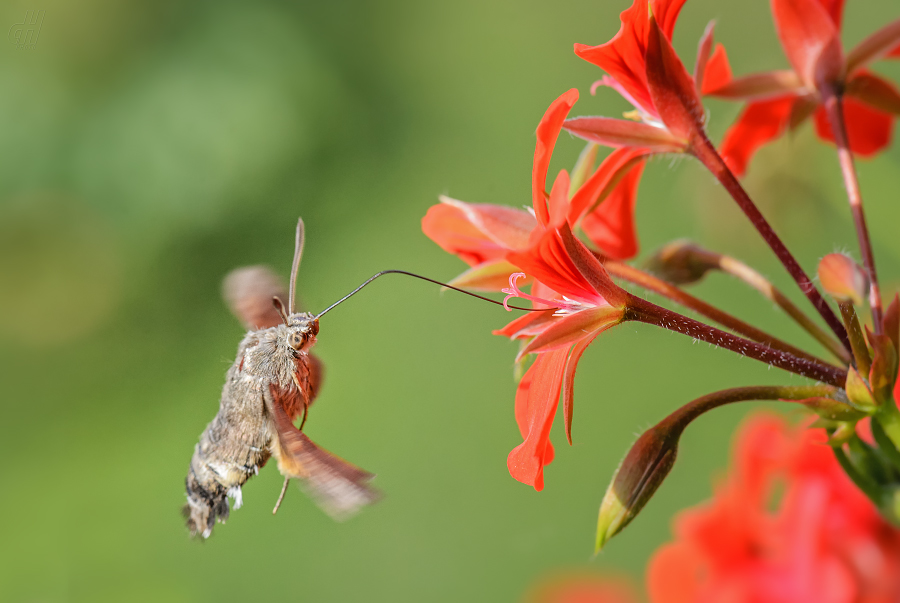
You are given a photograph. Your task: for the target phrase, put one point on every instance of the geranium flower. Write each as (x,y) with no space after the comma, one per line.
(584,302)
(483,234)
(823,542)
(809,31)
(668,115)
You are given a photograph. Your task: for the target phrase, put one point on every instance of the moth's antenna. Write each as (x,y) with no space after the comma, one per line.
(298,253)
(424,278)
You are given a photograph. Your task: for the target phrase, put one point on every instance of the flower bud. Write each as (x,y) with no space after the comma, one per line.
(858,391)
(843,279)
(679,263)
(638,477)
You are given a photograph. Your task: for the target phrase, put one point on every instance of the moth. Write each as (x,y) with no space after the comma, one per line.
(272,383)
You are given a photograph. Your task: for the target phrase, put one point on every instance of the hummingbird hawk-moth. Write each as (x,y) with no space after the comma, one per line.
(272,383)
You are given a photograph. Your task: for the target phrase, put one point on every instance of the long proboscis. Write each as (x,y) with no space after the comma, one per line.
(424,278)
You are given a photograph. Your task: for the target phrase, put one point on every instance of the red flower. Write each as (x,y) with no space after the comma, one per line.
(824,542)
(585,302)
(780,100)
(644,69)
(483,234)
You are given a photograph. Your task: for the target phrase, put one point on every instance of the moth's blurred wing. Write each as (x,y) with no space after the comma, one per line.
(249,291)
(340,488)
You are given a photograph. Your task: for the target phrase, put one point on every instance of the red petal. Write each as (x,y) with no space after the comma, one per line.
(835,9)
(761,86)
(489,276)
(671,87)
(527,325)
(448,227)
(536,400)
(559,199)
(623,56)
(875,46)
(760,123)
(566,330)
(666,13)
(623,133)
(506,226)
(868,129)
(718,71)
(703,48)
(874,91)
(611,226)
(590,268)
(548,261)
(568,387)
(675,574)
(547,133)
(604,181)
(810,39)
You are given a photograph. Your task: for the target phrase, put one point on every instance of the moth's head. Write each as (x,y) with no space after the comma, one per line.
(302,329)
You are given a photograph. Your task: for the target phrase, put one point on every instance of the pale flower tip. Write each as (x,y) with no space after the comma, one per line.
(843,279)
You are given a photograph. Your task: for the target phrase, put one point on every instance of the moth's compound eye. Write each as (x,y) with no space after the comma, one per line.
(296,340)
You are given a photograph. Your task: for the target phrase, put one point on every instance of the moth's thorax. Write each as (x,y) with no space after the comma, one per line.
(278,355)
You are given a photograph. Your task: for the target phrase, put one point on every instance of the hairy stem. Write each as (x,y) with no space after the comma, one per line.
(643,311)
(704,151)
(679,296)
(834,109)
(695,408)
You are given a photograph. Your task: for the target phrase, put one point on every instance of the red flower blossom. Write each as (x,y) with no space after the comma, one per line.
(585,302)
(781,100)
(482,234)
(824,542)
(644,69)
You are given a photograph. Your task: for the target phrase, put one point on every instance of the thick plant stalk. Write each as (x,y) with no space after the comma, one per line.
(743,272)
(704,151)
(643,311)
(679,296)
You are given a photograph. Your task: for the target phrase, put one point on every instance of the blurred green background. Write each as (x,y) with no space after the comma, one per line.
(150,147)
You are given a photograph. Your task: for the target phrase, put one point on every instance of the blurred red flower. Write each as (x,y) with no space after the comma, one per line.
(786,525)
(809,31)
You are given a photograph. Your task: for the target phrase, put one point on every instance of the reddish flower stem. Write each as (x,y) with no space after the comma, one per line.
(703,150)
(835,110)
(657,285)
(789,393)
(643,311)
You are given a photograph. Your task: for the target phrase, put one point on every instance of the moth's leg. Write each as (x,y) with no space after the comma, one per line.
(281,496)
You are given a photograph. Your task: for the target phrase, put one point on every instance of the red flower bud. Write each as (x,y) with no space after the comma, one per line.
(843,279)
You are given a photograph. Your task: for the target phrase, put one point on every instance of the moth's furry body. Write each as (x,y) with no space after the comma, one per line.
(272,382)
(242,436)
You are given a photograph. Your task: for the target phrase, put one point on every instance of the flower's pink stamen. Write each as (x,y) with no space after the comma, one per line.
(513,291)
